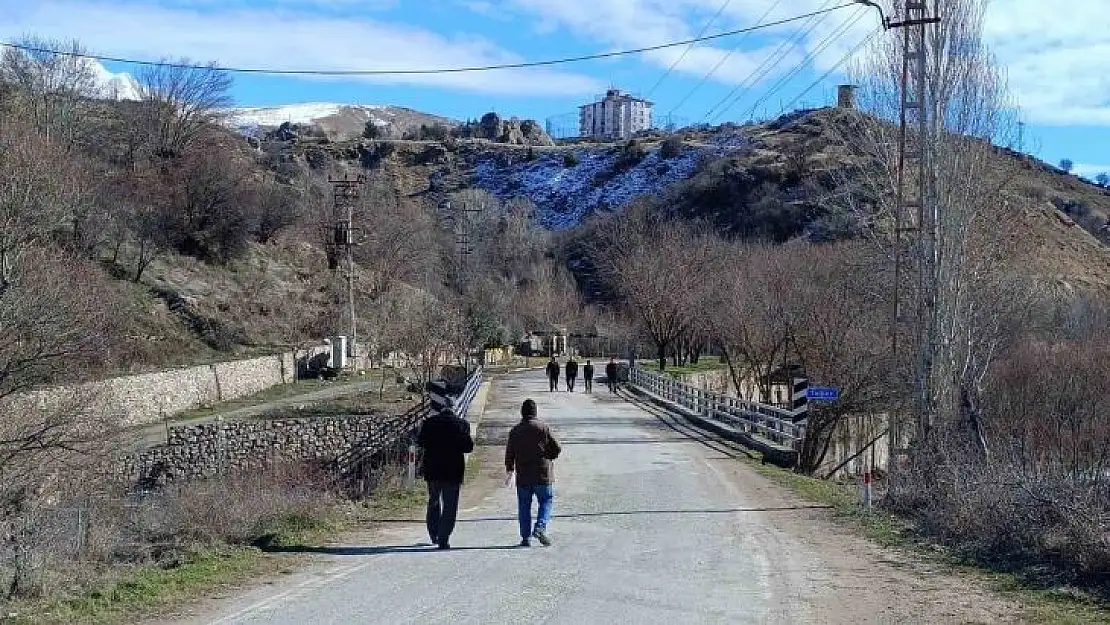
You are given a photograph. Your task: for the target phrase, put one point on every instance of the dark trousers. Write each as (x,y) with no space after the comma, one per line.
(443,508)
(589,385)
(554,384)
(570,383)
(612,385)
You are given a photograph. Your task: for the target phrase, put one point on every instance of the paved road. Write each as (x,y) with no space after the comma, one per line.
(650,527)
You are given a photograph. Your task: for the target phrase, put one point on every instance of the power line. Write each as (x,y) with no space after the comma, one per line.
(445,70)
(812,56)
(763,69)
(688,48)
(832,69)
(722,61)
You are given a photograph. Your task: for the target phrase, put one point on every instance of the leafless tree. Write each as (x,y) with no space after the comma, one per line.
(55,87)
(428,332)
(660,269)
(178,103)
(36,192)
(968,109)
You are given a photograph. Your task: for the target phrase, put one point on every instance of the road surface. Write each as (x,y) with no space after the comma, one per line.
(651,526)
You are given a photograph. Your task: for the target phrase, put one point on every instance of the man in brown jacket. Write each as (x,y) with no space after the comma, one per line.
(529,453)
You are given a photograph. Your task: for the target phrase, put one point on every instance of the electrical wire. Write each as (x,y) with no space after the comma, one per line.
(763,69)
(723,59)
(832,69)
(445,70)
(688,48)
(812,56)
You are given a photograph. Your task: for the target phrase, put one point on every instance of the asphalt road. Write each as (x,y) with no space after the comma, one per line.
(650,526)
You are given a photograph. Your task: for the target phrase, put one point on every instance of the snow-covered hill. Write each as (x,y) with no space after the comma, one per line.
(336,119)
(305,113)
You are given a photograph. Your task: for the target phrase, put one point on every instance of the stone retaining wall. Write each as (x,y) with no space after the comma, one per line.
(210,449)
(146,398)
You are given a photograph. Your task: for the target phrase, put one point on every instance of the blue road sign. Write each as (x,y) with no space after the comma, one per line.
(823,393)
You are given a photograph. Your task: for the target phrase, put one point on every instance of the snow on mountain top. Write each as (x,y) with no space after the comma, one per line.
(304,113)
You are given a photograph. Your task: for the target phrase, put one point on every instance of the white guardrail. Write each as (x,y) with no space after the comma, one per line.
(767,422)
(473,383)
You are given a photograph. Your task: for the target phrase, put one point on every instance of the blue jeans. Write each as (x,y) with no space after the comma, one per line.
(545,495)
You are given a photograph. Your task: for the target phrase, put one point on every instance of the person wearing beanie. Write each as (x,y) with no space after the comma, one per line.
(445,439)
(529,453)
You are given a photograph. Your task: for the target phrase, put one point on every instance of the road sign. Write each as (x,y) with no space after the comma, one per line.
(823,393)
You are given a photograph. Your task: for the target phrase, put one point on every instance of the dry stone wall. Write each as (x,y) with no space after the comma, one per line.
(211,449)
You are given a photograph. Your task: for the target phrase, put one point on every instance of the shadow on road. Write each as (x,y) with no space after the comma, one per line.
(380,550)
(586,515)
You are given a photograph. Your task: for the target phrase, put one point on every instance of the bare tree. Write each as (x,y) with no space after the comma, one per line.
(178,103)
(428,333)
(55,87)
(968,108)
(35,193)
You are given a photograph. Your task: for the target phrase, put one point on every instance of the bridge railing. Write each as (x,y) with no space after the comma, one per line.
(767,422)
(401,430)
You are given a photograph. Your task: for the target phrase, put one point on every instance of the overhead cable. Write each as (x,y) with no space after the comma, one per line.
(443,70)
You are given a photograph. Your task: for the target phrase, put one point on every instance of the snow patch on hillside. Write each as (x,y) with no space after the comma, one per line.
(565,196)
(304,113)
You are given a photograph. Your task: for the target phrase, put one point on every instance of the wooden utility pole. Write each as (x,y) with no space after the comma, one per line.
(916,219)
(346,193)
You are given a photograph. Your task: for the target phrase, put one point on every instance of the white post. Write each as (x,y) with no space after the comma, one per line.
(867,489)
(411,481)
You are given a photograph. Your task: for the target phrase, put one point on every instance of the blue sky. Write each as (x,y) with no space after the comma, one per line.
(1056,60)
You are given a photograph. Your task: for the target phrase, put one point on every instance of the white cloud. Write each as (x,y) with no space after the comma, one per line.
(287,39)
(1056,58)
(643,23)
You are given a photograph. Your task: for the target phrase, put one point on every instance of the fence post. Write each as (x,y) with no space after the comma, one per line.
(410,481)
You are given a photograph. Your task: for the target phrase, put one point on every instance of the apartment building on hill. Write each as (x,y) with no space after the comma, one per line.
(616,116)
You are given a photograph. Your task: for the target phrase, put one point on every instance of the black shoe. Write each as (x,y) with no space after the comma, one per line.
(525,543)
(443,546)
(541,536)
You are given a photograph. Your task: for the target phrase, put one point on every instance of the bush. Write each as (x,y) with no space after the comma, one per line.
(672,147)
(630,156)
(570,159)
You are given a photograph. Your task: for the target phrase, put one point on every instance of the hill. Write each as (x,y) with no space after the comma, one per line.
(769,181)
(336,121)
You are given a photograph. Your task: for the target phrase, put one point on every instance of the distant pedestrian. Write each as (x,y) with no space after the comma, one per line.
(588,376)
(572,373)
(529,453)
(445,439)
(611,375)
(553,375)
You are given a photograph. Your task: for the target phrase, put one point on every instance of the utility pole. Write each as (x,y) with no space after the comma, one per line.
(464,229)
(916,219)
(345,194)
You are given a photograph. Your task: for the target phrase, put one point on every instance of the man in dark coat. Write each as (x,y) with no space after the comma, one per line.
(572,373)
(553,375)
(588,376)
(445,439)
(529,453)
(611,375)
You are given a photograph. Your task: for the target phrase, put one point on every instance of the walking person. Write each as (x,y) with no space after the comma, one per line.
(611,375)
(553,375)
(572,373)
(529,453)
(445,439)
(588,376)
